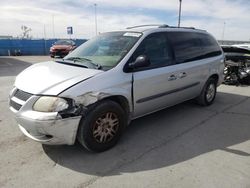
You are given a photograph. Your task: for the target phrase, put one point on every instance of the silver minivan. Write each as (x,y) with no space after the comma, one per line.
(95,91)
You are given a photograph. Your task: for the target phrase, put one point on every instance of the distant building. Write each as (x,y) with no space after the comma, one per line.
(5,37)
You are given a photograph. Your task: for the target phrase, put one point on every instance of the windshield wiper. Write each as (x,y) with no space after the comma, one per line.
(68,63)
(77,58)
(83,59)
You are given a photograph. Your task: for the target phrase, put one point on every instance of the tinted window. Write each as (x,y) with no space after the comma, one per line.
(209,45)
(190,46)
(187,47)
(157,49)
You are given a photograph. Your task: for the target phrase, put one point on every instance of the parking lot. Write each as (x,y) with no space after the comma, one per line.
(183,146)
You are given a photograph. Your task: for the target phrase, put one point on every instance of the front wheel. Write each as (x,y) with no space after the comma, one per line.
(208,93)
(102,126)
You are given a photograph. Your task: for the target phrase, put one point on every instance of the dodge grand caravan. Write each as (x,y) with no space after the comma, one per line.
(95,91)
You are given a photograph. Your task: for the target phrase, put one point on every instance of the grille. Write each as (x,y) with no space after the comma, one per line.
(22,95)
(15,105)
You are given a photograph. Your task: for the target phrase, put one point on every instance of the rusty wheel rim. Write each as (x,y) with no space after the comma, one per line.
(105,127)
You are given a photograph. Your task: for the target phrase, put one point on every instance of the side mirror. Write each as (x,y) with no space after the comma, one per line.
(141,61)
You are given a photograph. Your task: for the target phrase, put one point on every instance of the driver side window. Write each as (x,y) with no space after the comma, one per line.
(157,49)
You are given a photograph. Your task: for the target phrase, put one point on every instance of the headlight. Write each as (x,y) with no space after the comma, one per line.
(50,104)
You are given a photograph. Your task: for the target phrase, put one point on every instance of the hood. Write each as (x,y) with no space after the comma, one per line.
(51,78)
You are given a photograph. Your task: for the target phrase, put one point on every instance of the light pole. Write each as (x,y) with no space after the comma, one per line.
(53,25)
(45,45)
(95,5)
(179,20)
(223,33)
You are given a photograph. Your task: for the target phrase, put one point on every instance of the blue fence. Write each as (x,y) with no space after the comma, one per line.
(29,46)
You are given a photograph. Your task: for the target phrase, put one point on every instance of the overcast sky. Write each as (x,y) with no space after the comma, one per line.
(118,14)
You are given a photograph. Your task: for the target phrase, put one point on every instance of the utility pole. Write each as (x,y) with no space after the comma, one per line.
(95,6)
(223,33)
(179,20)
(44,31)
(53,25)
(45,45)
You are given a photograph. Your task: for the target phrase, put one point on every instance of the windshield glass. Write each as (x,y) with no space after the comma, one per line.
(106,50)
(64,42)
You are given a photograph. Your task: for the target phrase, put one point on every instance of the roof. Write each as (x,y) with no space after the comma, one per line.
(158,27)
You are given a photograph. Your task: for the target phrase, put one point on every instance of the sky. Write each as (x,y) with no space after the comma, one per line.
(232,16)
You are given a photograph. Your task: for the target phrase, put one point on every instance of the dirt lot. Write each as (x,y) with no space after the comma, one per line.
(183,146)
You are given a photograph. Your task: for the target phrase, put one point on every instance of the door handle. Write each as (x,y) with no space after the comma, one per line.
(172,77)
(182,75)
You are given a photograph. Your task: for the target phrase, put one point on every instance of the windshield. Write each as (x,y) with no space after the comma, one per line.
(105,50)
(64,42)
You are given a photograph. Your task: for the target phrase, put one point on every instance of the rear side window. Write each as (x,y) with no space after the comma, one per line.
(190,46)
(186,46)
(209,45)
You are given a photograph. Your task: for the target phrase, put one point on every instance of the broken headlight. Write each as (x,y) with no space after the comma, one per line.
(50,104)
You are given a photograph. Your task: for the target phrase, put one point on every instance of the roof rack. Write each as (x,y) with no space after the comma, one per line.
(179,27)
(160,26)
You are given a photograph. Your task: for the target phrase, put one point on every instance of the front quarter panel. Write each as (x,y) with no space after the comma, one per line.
(110,83)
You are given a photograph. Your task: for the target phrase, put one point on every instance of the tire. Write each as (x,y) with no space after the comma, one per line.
(208,93)
(102,126)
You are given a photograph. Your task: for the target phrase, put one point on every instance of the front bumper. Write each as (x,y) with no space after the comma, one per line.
(45,127)
(49,131)
(59,53)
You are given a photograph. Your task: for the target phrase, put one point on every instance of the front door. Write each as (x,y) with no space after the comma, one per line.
(152,84)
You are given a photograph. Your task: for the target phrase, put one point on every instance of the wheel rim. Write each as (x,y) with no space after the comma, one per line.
(105,127)
(210,92)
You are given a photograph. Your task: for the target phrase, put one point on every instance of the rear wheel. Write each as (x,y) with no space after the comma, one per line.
(102,126)
(208,93)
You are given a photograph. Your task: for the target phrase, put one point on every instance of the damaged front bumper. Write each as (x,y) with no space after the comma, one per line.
(49,128)
(45,127)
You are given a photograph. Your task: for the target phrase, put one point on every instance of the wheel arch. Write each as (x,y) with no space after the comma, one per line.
(119,99)
(122,101)
(215,76)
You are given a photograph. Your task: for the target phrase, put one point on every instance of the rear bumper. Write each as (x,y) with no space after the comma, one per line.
(47,129)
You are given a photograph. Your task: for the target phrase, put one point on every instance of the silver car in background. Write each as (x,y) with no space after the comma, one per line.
(95,91)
